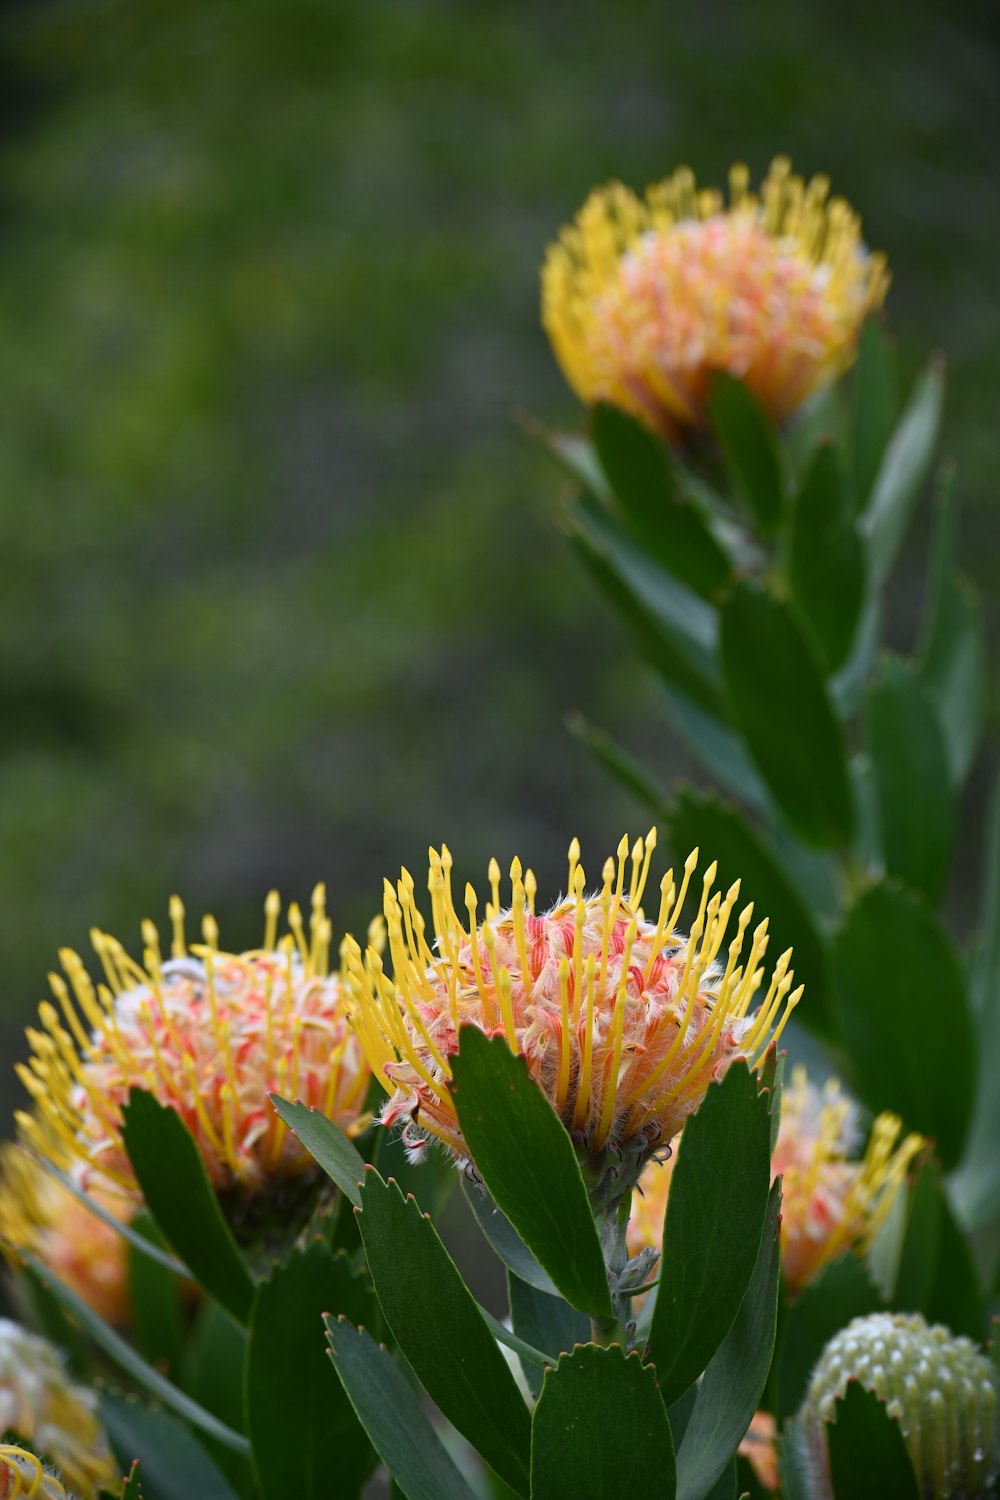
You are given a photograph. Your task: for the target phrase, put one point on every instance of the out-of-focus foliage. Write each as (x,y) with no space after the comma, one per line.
(279,580)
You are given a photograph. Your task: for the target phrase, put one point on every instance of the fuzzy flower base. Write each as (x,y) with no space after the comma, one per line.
(209,1033)
(623,1021)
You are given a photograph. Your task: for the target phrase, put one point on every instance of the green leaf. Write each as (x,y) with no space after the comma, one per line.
(391,1413)
(952,650)
(622,766)
(123,1355)
(750,450)
(916,812)
(937,1275)
(876,401)
(525,1156)
(130,1489)
(212,1375)
(440,1330)
(178,1194)
(826,563)
(902,473)
(732,1385)
(646,486)
(868,1457)
(600,1430)
(674,628)
(712,1231)
(505,1239)
(172,1465)
(701,821)
(720,751)
(326,1144)
(842,1291)
(153,1251)
(900,994)
(576,457)
(302,1427)
(155,1303)
(545,1321)
(976,1184)
(785,714)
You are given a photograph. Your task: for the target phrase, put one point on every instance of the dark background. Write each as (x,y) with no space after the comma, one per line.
(283,593)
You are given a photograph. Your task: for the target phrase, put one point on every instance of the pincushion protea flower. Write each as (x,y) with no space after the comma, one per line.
(23,1475)
(622,1021)
(644,298)
(939,1388)
(828,1204)
(760,1448)
(42,1408)
(208,1033)
(82,1249)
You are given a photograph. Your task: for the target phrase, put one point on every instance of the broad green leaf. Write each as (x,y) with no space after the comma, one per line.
(750,449)
(123,1355)
(154,1297)
(440,1330)
(842,1291)
(326,1144)
(178,1194)
(876,402)
(544,1321)
(391,1413)
(302,1427)
(712,1231)
(700,821)
(916,812)
(675,629)
(212,1374)
(505,1239)
(902,473)
(937,1275)
(826,563)
(952,650)
(625,769)
(976,1184)
(732,1385)
(576,457)
(785,714)
(172,1464)
(900,995)
(847,687)
(645,483)
(526,1159)
(719,749)
(868,1455)
(600,1430)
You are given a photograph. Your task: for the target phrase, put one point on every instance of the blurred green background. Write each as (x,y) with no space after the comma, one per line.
(283,593)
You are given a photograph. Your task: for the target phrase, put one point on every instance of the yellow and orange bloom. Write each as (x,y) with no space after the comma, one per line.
(644,299)
(207,1032)
(85,1252)
(40,1407)
(829,1204)
(622,1021)
(759,1446)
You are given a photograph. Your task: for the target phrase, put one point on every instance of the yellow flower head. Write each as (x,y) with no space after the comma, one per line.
(208,1033)
(40,1407)
(644,298)
(828,1203)
(622,1021)
(23,1475)
(84,1251)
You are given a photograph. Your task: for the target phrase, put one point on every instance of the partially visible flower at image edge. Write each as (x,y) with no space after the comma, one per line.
(85,1252)
(42,1408)
(644,299)
(24,1477)
(622,1021)
(940,1388)
(829,1204)
(209,1034)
